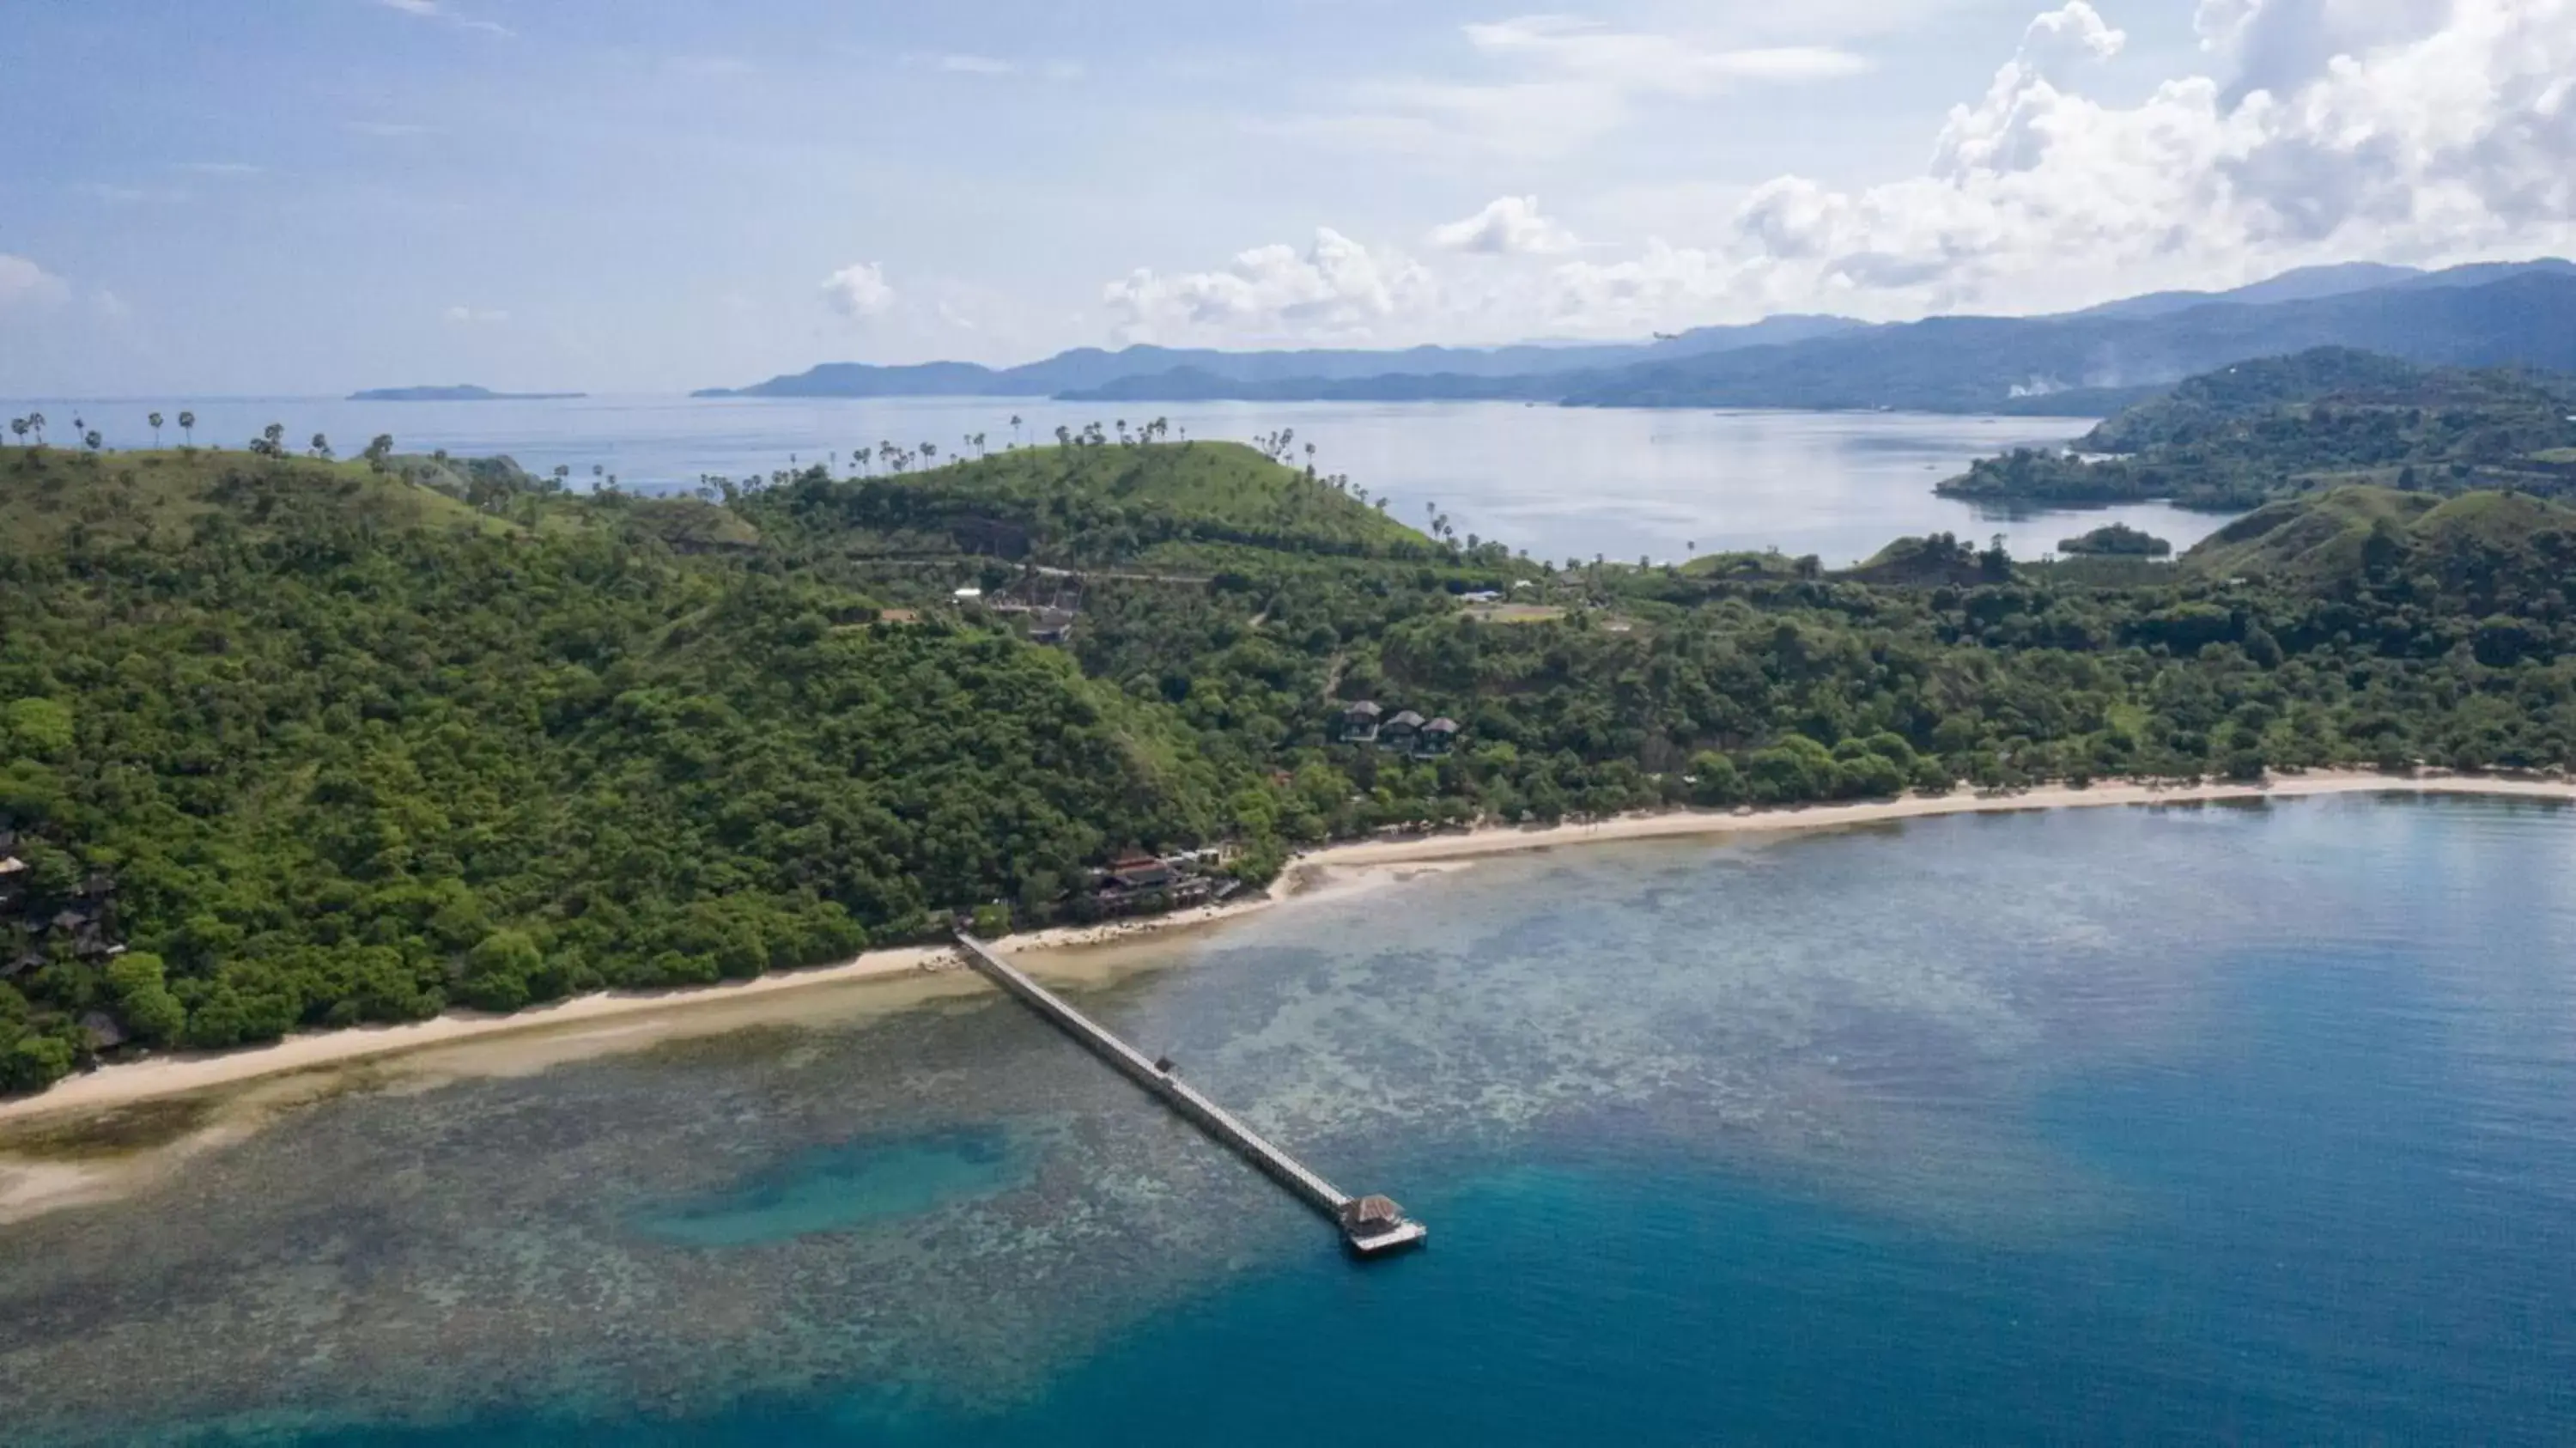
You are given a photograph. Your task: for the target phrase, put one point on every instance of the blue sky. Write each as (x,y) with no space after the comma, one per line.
(312,195)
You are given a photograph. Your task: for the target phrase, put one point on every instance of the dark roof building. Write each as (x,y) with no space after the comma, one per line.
(1371,1215)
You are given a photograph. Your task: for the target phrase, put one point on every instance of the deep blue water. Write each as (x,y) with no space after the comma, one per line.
(2094,1127)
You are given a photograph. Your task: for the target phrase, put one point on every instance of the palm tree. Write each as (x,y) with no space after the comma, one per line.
(321,447)
(275,436)
(92,440)
(188,427)
(36,420)
(1015,427)
(18,425)
(155,420)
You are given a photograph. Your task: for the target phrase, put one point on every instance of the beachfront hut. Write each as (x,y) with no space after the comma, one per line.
(103,1031)
(1371,1216)
(1438,737)
(1141,872)
(1359,722)
(1400,731)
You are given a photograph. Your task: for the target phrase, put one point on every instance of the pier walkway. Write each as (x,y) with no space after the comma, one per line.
(1372,1225)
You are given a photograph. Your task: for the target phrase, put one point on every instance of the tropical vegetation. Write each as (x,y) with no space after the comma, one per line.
(290,743)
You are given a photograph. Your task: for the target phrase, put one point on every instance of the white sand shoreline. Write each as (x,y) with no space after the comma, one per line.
(604,1018)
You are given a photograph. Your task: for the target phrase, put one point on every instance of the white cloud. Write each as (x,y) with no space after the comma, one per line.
(859,291)
(437,10)
(112,307)
(1335,289)
(968,63)
(2423,131)
(25,284)
(2383,129)
(1508,226)
(1551,84)
(121,195)
(474,316)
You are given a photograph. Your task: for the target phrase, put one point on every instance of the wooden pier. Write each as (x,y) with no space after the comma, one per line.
(1372,1225)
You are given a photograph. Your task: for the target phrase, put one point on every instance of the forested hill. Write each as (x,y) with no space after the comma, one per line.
(287,743)
(351,749)
(2276,427)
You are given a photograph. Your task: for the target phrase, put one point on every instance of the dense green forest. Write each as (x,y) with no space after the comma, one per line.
(318,743)
(2258,431)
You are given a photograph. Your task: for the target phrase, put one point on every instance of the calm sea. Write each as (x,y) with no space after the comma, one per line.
(2200,1124)
(1561,482)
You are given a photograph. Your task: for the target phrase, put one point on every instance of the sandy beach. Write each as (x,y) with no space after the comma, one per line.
(588,1025)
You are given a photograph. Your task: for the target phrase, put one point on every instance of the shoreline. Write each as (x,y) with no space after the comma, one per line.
(600,1020)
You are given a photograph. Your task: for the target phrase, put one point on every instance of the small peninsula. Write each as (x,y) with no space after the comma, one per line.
(459,392)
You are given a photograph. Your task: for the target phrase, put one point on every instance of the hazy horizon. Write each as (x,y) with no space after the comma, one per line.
(323,195)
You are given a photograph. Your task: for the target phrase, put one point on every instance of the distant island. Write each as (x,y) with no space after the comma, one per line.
(461,392)
(2079,364)
(2278,427)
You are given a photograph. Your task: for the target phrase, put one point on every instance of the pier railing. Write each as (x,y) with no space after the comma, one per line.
(1223,1125)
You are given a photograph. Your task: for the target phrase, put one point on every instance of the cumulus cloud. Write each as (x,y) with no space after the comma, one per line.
(474,316)
(1549,84)
(1508,226)
(859,291)
(2422,131)
(23,284)
(2387,129)
(1335,288)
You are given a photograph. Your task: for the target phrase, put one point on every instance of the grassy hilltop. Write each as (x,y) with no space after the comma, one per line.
(321,743)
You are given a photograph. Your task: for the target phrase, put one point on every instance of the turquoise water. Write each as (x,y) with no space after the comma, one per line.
(2250,1125)
(834,1188)
(1563,482)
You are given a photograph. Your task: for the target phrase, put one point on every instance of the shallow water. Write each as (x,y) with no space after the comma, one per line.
(1561,482)
(2124,1125)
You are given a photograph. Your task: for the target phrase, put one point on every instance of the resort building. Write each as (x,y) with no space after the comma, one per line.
(1437,737)
(1359,722)
(1400,731)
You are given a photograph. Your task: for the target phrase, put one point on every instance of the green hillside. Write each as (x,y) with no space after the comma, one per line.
(351,750)
(1095,502)
(2282,426)
(318,744)
(2477,555)
(52,498)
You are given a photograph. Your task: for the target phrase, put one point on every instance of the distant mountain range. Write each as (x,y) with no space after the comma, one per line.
(2080,363)
(1088,368)
(459,392)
